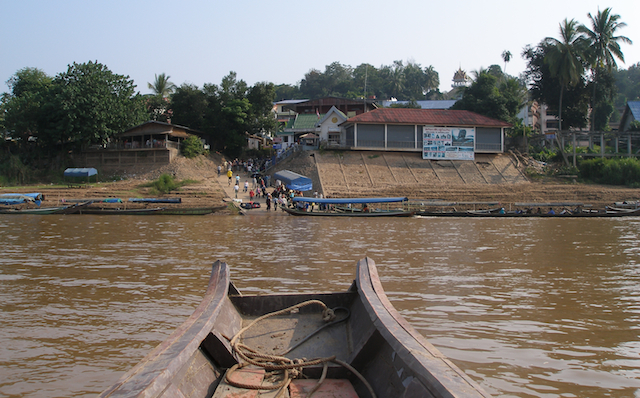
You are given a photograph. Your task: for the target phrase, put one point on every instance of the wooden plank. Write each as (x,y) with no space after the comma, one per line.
(249,375)
(330,388)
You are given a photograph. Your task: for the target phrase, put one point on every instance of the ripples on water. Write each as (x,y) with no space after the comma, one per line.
(528,307)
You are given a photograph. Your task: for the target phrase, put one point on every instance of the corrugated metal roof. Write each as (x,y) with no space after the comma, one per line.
(305,122)
(425,104)
(634,106)
(435,117)
(291,101)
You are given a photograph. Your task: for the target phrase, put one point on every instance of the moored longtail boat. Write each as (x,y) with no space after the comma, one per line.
(350,207)
(36,210)
(351,341)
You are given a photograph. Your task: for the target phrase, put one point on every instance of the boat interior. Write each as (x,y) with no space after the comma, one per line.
(345,344)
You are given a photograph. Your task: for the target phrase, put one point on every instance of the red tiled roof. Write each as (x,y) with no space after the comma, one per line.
(435,117)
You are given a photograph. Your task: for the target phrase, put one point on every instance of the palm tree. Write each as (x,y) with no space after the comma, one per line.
(432,79)
(397,79)
(162,86)
(506,57)
(564,58)
(604,46)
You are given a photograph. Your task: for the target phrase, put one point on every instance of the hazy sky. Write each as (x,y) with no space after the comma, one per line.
(200,41)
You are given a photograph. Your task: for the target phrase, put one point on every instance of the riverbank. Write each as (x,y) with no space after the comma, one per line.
(497,178)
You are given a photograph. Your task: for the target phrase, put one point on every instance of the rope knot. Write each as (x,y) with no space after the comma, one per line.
(328,315)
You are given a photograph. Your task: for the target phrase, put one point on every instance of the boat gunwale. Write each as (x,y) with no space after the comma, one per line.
(435,371)
(176,348)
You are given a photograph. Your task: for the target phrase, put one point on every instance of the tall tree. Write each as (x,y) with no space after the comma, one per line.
(396,81)
(604,48)
(261,118)
(88,104)
(432,79)
(189,106)
(565,60)
(162,86)
(22,107)
(506,57)
(484,97)
(545,88)
(414,82)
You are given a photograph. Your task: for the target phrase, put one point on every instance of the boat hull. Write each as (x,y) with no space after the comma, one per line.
(41,210)
(584,214)
(390,213)
(118,212)
(190,211)
(392,358)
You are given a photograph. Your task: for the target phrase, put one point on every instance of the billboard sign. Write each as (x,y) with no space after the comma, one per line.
(448,143)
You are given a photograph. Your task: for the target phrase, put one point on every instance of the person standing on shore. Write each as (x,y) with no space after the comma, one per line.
(230,175)
(236,188)
(269,202)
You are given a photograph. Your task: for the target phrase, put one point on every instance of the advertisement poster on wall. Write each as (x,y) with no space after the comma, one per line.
(448,143)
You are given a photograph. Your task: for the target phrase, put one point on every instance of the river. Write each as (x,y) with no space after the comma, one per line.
(534,307)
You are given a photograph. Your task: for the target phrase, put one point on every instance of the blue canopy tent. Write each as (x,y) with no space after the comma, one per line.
(293,180)
(81,173)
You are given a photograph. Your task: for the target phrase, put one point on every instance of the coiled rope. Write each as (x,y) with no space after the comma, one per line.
(291,368)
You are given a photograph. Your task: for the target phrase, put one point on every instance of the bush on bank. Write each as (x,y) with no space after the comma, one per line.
(611,171)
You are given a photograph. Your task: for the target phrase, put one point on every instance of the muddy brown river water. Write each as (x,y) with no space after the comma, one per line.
(527,307)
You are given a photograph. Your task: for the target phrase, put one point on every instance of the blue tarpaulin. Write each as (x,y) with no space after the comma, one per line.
(87,172)
(293,180)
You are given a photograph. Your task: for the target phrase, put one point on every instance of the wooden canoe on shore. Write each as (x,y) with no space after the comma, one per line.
(363,346)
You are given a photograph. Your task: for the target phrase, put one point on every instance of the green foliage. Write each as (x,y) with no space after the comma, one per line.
(14,171)
(21,107)
(192,147)
(403,81)
(566,170)
(158,108)
(226,113)
(166,183)
(161,86)
(635,125)
(544,154)
(519,129)
(410,104)
(614,171)
(488,95)
(546,88)
(88,105)
(627,84)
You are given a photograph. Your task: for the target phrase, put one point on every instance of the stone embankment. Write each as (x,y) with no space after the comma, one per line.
(490,178)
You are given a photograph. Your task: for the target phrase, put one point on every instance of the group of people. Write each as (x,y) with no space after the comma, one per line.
(249,166)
